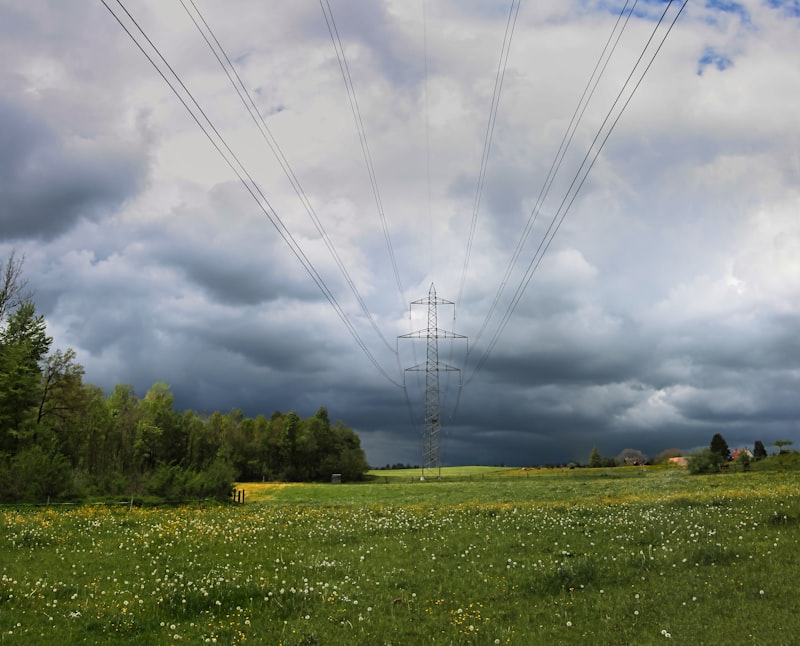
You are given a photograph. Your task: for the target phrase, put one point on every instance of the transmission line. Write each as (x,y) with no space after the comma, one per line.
(352,97)
(566,140)
(502,63)
(567,202)
(330,21)
(243,175)
(427,130)
(255,114)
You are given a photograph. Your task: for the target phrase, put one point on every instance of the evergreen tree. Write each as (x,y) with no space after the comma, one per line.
(23,346)
(595,459)
(720,447)
(759,451)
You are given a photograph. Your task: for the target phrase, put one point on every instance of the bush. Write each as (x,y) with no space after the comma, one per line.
(216,481)
(168,482)
(705,461)
(171,482)
(37,476)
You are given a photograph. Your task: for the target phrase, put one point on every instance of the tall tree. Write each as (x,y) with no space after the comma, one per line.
(595,459)
(781,443)
(202,446)
(123,407)
(720,447)
(759,451)
(23,345)
(62,403)
(12,286)
(159,436)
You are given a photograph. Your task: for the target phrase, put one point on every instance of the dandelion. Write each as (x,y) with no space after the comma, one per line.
(569,624)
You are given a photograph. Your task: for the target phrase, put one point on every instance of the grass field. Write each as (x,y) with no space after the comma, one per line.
(618,556)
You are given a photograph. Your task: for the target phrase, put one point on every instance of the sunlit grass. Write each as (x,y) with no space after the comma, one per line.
(636,556)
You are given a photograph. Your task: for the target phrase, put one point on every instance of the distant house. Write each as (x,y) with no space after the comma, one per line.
(680,461)
(737,453)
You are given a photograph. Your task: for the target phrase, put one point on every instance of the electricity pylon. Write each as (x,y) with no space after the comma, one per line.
(432,426)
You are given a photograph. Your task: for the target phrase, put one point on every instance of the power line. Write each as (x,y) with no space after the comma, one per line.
(427,130)
(567,202)
(502,63)
(255,114)
(244,177)
(352,97)
(362,135)
(566,140)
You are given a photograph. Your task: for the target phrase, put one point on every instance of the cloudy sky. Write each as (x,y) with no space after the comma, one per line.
(665,309)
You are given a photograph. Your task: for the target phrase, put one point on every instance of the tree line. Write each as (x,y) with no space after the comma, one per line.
(62,438)
(705,460)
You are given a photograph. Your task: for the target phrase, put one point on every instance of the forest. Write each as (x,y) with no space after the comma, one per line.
(61,438)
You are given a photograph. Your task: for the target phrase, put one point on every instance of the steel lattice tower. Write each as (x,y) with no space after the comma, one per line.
(432,425)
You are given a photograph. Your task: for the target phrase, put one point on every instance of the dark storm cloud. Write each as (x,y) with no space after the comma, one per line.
(48,183)
(664,312)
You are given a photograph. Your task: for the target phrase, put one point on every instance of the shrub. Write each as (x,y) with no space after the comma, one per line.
(39,475)
(705,461)
(216,481)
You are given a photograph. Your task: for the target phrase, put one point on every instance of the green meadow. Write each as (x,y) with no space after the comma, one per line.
(482,556)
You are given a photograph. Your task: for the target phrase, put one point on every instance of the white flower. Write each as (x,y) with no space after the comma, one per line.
(569,624)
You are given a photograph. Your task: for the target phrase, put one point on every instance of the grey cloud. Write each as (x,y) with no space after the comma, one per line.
(618,341)
(47,184)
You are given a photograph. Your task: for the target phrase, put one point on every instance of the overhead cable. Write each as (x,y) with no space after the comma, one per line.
(566,140)
(579,179)
(362,135)
(502,64)
(230,158)
(255,114)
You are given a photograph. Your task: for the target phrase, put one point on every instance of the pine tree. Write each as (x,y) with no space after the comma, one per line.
(720,446)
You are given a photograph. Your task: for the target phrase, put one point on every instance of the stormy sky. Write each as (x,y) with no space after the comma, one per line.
(664,310)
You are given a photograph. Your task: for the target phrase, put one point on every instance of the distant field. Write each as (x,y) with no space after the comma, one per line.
(446,473)
(617,556)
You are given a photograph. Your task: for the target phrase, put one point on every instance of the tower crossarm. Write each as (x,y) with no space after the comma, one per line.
(438,333)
